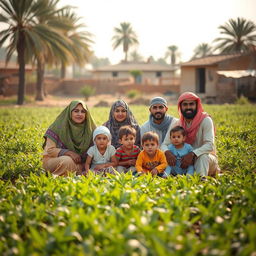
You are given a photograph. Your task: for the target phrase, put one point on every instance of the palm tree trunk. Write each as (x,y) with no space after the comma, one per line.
(63,70)
(40,80)
(21,61)
(125,58)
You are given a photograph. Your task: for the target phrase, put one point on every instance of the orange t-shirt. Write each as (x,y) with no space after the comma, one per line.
(145,163)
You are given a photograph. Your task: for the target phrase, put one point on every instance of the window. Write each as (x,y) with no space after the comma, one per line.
(114,74)
(158,74)
(200,80)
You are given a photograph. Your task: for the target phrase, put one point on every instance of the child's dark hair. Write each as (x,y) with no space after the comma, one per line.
(150,136)
(178,129)
(125,131)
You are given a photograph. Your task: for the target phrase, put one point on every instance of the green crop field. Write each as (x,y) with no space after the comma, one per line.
(123,215)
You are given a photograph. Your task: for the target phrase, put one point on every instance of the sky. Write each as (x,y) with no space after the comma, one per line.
(159,23)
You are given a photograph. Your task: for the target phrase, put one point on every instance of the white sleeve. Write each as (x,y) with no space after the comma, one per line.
(90,151)
(112,150)
(207,137)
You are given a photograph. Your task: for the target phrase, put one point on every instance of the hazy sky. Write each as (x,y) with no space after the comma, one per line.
(159,23)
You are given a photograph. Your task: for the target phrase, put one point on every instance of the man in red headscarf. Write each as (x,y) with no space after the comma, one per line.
(199,133)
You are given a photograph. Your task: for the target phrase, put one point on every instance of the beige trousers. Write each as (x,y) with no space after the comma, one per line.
(122,169)
(61,165)
(206,164)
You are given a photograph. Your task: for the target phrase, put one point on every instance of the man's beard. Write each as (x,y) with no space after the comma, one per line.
(189,115)
(158,116)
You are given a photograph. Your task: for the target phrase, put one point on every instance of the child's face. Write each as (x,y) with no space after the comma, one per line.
(127,141)
(150,147)
(177,138)
(101,141)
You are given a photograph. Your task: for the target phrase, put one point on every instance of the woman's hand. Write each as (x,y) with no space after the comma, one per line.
(75,157)
(170,158)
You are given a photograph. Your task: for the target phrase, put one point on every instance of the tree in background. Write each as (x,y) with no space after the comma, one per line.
(54,44)
(202,50)
(172,54)
(80,41)
(23,33)
(238,36)
(135,56)
(98,62)
(125,36)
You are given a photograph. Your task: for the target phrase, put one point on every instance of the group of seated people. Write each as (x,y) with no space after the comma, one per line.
(162,146)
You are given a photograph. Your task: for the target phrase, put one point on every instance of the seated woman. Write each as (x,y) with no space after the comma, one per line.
(68,139)
(121,115)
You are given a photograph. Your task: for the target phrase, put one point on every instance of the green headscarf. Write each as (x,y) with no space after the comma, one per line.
(69,135)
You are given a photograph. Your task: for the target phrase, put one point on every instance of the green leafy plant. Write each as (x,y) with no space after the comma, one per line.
(124,215)
(87,91)
(136,75)
(131,94)
(242,100)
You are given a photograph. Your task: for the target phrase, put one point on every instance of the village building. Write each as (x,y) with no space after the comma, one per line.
(138,72)
(220,78)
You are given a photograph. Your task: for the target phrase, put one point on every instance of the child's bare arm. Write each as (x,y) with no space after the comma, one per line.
(113,162)
(88,163)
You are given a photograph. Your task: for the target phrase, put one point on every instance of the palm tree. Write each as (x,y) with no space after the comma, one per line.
(135,56)
(240,36)
(202,50)
(54,43)
(125,36)
(79,41)
(25,34)
(172,53)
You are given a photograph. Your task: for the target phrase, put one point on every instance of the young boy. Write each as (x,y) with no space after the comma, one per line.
(127,153)
(179,148)
(151,159)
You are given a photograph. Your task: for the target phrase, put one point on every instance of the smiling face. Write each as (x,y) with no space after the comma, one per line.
(188,108)
(78,114)
(120,114)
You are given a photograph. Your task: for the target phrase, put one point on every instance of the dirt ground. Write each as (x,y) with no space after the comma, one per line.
(96,100)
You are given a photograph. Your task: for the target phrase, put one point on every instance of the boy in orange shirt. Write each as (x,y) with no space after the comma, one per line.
(151,159)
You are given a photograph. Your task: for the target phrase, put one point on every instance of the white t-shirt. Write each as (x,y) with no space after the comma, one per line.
(98,158)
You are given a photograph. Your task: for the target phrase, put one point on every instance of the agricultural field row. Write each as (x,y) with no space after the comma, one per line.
(123,215)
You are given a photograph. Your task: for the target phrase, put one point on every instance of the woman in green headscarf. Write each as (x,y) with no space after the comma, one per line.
(68,139)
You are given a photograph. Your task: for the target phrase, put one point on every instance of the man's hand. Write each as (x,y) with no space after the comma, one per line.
(75,157)
(187,160)
(170,158)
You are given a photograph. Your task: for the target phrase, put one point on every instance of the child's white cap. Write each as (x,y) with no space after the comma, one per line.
(101,130)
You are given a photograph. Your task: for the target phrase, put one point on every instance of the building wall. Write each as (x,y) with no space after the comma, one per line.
(147,77)
(188,79)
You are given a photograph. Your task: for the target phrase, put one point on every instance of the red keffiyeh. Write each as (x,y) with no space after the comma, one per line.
(199,117)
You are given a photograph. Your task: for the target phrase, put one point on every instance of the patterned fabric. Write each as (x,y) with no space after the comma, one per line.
(114,126)
(69,135)
(121,155)
(103,172)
